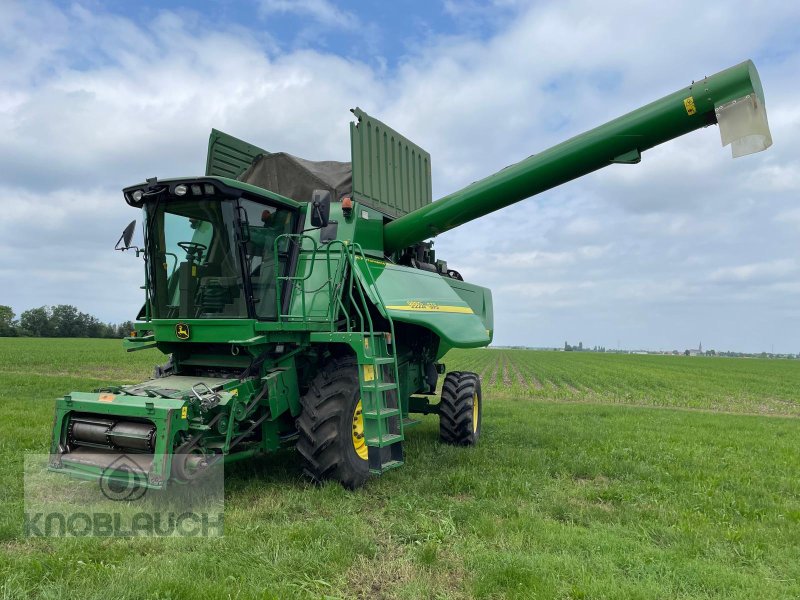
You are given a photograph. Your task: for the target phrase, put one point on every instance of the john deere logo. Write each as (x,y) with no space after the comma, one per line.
(182,331)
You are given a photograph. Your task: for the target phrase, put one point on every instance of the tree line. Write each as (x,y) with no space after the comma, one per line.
(63,320)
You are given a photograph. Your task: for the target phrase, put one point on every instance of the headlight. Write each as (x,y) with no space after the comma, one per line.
(180,190)
(138,195)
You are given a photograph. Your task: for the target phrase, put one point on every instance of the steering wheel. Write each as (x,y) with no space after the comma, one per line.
(194,251)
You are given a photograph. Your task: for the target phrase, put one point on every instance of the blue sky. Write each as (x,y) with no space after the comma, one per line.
(687,246)
(378,33)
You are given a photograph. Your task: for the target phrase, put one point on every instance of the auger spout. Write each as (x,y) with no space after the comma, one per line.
(732,98)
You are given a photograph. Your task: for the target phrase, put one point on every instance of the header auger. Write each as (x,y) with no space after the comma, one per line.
(299,303)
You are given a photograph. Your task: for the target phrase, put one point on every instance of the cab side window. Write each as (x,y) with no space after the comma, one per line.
(267,255)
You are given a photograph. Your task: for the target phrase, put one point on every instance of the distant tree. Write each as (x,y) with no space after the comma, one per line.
(67,321)
(686,352)
(8,327)
(92,327)
(580,345)
(63,320)
(125,328)
(36,322)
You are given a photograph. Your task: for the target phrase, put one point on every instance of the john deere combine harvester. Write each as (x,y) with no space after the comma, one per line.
(300,305)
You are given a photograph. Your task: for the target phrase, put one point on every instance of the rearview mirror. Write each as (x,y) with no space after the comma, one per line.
(126,237)
(320,208)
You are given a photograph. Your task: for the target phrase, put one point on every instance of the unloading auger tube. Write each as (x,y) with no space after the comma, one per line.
(733,98)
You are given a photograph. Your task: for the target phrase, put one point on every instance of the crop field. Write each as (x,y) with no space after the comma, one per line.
(597,476)
(720,384)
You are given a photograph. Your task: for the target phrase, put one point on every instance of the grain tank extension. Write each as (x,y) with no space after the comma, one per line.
(298,303)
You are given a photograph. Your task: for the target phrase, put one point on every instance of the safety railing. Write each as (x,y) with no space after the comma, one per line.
(344,288)
(297,284)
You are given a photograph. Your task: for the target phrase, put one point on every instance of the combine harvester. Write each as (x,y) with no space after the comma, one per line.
(300,305)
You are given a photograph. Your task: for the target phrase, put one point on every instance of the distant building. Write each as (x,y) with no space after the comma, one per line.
(695,351)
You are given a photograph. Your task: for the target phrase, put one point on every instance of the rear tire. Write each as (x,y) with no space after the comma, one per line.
(328,439)
(460,409)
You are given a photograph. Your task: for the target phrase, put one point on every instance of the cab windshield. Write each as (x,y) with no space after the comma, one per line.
(197,268)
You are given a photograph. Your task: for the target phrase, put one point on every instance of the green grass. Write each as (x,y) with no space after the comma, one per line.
(578,489)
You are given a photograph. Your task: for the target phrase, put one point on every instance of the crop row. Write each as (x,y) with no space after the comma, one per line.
(739,385)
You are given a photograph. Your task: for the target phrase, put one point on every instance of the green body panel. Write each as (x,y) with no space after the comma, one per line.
(390,172)
(620,140)
(435,305)
(479,299)
(202,330)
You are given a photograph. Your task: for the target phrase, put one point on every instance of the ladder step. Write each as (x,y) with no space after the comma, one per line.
(381,413)
(383,361)
(369,386)
(387,440)
(392,464)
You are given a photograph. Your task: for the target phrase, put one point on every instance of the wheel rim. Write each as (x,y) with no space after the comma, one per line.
(359,443)
(475,411)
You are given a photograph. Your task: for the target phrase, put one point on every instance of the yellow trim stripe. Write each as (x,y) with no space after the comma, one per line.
(464,310)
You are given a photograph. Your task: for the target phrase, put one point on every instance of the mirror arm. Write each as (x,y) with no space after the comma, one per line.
(123,248)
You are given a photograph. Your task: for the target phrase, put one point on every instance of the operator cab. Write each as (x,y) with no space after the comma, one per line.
(210,253)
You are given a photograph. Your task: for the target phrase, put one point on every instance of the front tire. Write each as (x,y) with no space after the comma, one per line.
(331,426)
(461,409)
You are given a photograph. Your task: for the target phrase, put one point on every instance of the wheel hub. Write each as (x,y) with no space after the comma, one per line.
(359,443)
(475,409)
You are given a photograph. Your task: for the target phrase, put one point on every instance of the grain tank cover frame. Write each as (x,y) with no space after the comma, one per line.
(390,172)
(229,156)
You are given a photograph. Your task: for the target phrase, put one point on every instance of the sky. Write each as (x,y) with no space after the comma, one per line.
(689,246)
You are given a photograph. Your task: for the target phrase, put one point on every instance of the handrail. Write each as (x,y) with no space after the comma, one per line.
(349,252)
(370,280)
(298,281)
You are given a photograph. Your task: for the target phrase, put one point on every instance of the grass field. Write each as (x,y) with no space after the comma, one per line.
(597,476)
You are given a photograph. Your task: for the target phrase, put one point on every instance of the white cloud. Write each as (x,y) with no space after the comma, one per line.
(91,102)
(756,272)
(322,11)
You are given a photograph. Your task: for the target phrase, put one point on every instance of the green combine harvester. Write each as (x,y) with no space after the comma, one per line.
(300,304)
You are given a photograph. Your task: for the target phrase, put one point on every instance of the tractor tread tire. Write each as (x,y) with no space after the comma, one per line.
(325,441)
(456,409)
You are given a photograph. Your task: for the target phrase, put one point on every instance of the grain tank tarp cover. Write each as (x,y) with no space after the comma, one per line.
(297,178)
